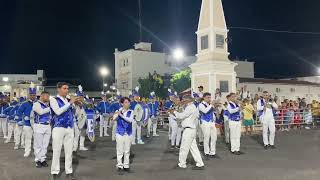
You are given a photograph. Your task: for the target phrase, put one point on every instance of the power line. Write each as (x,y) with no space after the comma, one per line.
(276,31)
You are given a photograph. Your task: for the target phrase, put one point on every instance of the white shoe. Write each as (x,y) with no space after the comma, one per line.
(83,149)
(16,147)
(307,127)
(6,137)
(156,135)
(106,135)
(26,155)
(133,143)
(22,147)
(140,142)
(100,135)
(6,141)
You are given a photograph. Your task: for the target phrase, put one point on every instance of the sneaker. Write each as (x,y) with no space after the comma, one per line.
(307,127)
(16,147)
(148,136)
(26,155)
(156,135)
(44,164)
(83,149)
(6,141)
(106,135)
(133,143)
(140,142)
(198,168)
(38,164)
(177,147)
(5,137)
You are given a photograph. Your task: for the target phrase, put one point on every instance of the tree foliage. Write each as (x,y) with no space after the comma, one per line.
(153,82)
(181,81)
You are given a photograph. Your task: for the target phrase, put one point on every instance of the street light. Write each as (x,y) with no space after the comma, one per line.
(103,72)
(178,53)
(5,79)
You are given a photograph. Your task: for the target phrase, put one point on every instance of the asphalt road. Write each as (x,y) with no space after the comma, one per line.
(296,157)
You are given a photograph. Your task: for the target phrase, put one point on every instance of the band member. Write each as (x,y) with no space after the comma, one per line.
(62,133)
(41,128)
(226,117)
(10,113)
(200,93)
(234,124)
(18,130)
(189,143)
(175,123)
(115,106)
(3,117)
(153,120)
(169,105)
(79,125)
(137,109)
(197,98)
(24,114)
(124,118)
(207,121)
(266,107)
(104,110)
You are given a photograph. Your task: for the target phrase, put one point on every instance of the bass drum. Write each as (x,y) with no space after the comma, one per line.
(90,130)
(138,113)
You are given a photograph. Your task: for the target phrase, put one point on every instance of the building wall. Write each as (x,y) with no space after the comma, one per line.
(284,91)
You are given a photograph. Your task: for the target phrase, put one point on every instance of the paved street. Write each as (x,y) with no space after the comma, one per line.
(296,157)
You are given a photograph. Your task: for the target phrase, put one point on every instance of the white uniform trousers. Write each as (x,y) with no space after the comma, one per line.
(41,139)
(18,136)
(4,127)
(226,131)
(152,125)
(123,145)
(200,132)
(169,129)
(235,135)
(209,133)
(136,132)
(62,136)
(78,134)
(11,128)
(114,130)
(104,125)
(268,125)
(175,133)
(28,133)
(189,143)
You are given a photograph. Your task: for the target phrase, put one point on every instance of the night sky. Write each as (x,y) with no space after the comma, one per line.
(70,39)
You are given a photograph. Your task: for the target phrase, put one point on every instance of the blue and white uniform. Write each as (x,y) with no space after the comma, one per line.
(123,137)
(267,119)
(24,112)
(207,123)
(115,106)
(235,126)
(136,125)
(62,133)
(3,119)
(104,111)
(18,130)
(11,122)
(41,129)
(153,119)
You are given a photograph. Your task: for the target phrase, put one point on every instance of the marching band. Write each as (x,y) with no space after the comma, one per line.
(68,119)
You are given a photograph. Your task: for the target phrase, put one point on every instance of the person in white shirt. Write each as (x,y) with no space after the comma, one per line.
(40,121)
(234,124)
(190,119)
(207,121)
(265,108)
(124,118)
(62,132)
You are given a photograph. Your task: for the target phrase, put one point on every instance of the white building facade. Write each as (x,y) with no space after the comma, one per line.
(132,64)
(284,89)
(16,85)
